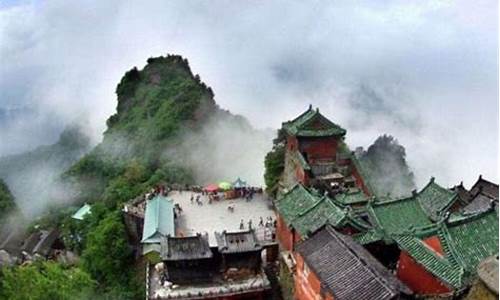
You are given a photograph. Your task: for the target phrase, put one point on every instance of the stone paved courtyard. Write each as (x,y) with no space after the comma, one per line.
(217,217)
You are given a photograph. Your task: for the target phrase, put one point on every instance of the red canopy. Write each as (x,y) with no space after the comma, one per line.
(212,188)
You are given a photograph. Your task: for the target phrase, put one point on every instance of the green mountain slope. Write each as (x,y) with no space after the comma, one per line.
(167,128)
(154,105)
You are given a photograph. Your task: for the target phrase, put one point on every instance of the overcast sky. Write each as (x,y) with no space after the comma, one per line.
(423,71)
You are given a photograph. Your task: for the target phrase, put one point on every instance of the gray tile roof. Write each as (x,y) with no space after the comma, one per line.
(236,242)
(480,203)
(47,240)
(31,242)
(485,187)
(185,248)
(463,194)
(346,269)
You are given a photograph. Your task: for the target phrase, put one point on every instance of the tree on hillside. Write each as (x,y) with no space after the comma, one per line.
(274,163)
(107,256)
(385,164)
(44,280)
(7,203)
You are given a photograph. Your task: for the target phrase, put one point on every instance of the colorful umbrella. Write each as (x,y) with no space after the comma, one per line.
(225,186)
(212,188)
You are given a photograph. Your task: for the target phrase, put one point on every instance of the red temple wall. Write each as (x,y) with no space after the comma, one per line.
(417,278)
(292,143)
(319,148)
(307,286)
(301,176)
(284,234)
(359,180)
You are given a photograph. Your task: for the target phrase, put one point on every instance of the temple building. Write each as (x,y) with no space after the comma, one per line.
(433,239)
(445,261)
(317,156)
(158,223)
(187,260)
(302,211)
(191,269)
(203,249)
(331,265)
(240,252)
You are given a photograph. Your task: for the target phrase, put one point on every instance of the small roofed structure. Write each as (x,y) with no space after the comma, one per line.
(446,262)
(436,200)
(312,123)
(158,223)
(238,183)
(30,243)
(82,212)
(187,259)
(241,252)
(484,187)
(343,269)
(237,242)
(41,242)
(47,242)
(464,197)
(480,203)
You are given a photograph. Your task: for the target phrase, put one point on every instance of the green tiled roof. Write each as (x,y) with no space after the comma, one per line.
(306,211)
(435,199)
(399,215)
(369,236)
(472,240)
(82,212)
(364,173)
(465,242)
(312,123)
(354,196)
(321,213)
(158,219)
(294,201)
(416,213)
(430,260)
(357,221)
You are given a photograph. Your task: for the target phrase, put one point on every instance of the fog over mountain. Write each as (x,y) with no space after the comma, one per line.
(422,71)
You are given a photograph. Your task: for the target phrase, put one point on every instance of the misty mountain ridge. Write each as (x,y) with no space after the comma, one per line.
(34,176)
(167,128)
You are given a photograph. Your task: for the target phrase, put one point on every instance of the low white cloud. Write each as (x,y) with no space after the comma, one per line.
(424,71)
